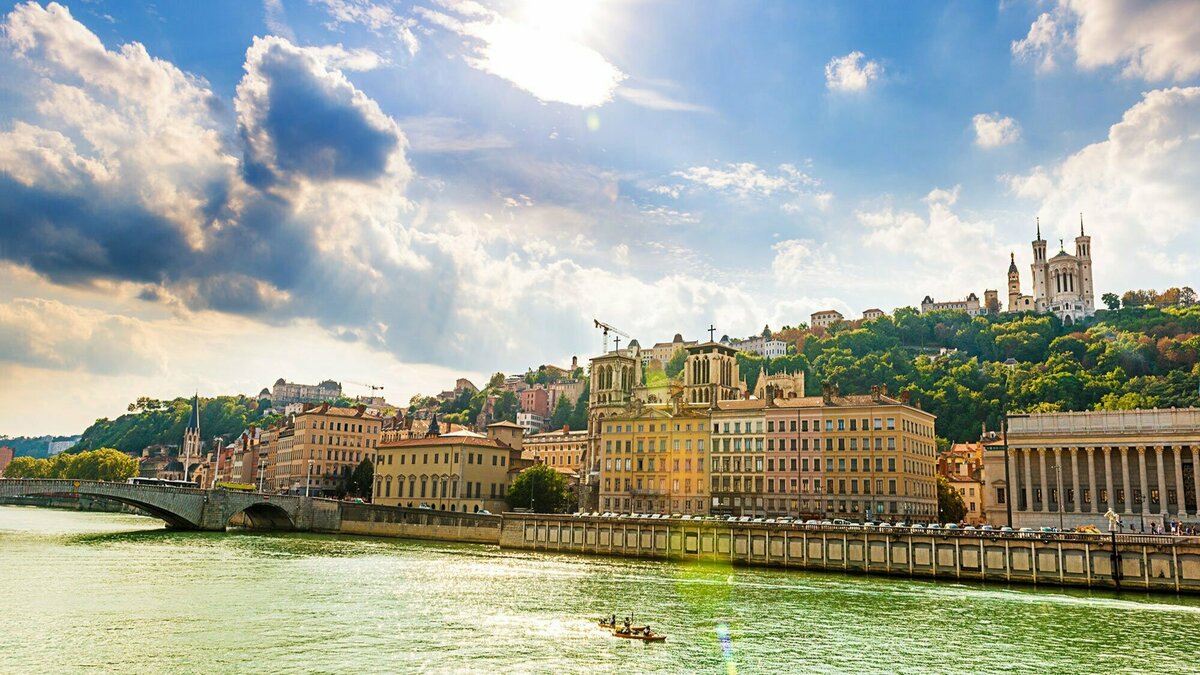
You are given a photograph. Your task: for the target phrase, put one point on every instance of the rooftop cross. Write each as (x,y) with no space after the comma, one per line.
(711,332)
(617,342)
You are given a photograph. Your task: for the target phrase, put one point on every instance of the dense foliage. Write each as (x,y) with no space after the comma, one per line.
(541,489)
(153,422)
(951,508)
(968,370)
(101,464)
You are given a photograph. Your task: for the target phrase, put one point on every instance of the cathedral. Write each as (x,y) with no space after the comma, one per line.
(1062,285)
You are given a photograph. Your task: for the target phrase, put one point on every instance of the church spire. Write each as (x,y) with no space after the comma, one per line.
(194,418)
(1081,223)
(1039,227)
(1012,263)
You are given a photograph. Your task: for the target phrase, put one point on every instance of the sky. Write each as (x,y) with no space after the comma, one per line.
(208,196)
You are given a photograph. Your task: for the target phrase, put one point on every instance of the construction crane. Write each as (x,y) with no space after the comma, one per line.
(374,388)
(607,329)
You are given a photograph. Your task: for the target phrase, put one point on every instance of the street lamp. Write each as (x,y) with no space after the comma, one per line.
(308,478)
(1059,505)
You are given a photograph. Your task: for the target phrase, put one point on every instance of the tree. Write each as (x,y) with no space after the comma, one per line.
(104,464)
(579,416)
(362,480)
(541,488)
(561,416)
(496,380)
(506,407)
(766,332)
(951,508)
(1111,301)
(675,365)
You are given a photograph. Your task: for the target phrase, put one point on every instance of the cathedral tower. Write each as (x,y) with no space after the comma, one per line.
(1083,251)
(192,446)
(1039,266)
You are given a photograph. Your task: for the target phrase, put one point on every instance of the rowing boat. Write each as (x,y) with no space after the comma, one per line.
(653,637)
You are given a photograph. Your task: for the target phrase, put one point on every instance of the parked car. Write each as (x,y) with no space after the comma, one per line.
(987,527)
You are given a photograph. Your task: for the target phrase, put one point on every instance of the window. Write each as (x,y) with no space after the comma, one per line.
(1001,496)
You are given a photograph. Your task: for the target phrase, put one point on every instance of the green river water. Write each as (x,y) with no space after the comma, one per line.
(91,592)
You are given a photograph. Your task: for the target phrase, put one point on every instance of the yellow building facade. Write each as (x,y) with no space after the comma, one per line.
(652,460)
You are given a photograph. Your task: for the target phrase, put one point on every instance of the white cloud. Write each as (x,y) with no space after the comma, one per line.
(1152,40)
(746,179)
(1034,185)
(1041,44)
(844,73)
(942,246)
(1137,189)
(130,125)
(993,130)
(542,60)
(49,334)
(376,17)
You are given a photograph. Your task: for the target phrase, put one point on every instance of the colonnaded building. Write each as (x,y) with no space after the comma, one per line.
(1142,464)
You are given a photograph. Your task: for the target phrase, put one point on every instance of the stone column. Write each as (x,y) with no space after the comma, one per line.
(1125,481)
(1162,479)
(1196,475)
(1045,486)
(1028,479)
(1180,501)
(1093,488)
(1012,488)
(1143,479)
(1059,479)
(1075,480)
(1110,503)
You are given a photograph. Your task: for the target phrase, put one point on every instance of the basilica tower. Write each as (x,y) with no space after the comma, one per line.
(1083,251)
(1040,271)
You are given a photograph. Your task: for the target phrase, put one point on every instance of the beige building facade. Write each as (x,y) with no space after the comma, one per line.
(1141,464)
(462,471)
(332,441)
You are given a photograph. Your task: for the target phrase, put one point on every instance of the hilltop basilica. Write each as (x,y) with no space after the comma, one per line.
(1062,285)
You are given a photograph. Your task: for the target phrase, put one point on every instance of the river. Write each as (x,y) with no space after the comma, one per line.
(96,592)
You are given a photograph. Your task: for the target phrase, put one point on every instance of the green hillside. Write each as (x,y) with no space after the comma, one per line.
(1119,359)
(153,422)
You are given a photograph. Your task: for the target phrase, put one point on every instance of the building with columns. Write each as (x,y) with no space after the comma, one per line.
(1139,463)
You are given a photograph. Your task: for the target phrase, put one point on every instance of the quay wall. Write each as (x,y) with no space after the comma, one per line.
(390,521)
(1155,563)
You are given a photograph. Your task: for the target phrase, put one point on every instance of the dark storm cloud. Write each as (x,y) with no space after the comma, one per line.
(73,238)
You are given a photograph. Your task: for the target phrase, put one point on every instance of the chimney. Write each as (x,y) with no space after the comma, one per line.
(875,394)
(566,428)
(905,396)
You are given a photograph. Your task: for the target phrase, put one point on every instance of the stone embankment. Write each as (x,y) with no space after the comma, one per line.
(1156,563)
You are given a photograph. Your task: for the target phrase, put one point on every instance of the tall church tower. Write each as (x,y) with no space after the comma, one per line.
(1014,283)
(1083,251)
(1040,273)
(192,447)
(613,377)
(711,375)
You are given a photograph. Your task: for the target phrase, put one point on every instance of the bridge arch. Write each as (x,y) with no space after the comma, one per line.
(262,516)
(180,510)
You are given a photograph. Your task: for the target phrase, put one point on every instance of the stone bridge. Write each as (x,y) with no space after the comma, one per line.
(194,508)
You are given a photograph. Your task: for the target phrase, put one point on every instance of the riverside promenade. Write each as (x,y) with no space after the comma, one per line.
(1133,562)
